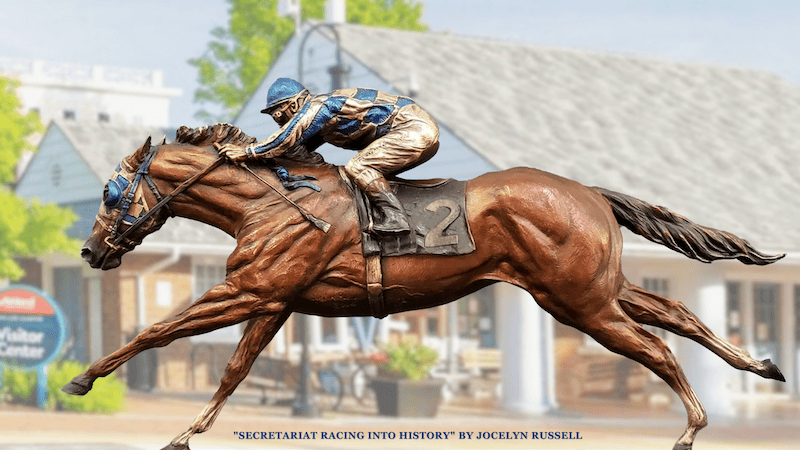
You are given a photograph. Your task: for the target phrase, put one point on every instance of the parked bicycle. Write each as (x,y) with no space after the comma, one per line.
(278,379)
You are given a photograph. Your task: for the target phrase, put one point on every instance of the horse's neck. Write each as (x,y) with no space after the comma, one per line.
(229,195)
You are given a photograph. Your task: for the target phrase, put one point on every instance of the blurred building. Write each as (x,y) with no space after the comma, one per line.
(96,116)
(91,93)
(717,145)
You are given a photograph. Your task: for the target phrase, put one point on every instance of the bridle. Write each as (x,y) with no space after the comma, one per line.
(116,240)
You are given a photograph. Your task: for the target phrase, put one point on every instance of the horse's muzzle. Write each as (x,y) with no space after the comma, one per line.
(99,260)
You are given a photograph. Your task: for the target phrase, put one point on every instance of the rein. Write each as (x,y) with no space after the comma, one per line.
(144,172)
(162,201)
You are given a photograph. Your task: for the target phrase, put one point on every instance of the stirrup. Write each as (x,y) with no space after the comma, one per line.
(398,226)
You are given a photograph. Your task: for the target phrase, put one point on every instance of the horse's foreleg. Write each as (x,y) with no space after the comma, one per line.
(222,306)
(619,333)
(258,333)
(651,309)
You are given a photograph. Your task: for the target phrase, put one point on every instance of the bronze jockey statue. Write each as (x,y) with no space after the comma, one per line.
(391,133)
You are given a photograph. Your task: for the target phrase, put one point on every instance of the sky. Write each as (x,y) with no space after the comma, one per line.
(159,34)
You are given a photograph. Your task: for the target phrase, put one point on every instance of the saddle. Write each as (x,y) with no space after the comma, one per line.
(436,211)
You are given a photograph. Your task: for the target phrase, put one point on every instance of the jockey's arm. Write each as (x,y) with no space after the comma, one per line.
(301,130)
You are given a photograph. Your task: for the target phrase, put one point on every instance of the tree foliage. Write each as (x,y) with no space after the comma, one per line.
(240,55)
(27,228)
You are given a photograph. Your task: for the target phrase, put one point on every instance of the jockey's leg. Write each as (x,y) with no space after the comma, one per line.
(412,140)
(393,218)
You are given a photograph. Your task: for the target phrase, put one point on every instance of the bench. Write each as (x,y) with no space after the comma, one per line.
(604,374)
(270,374)
(482,361)
(484,364)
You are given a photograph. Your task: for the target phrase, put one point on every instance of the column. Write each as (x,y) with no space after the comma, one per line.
(526,343)
(708,373)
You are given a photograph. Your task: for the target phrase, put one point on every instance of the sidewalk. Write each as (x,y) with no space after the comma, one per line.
(150,422)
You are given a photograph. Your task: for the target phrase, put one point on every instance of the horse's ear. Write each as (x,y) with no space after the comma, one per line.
(137,157)
(163,140)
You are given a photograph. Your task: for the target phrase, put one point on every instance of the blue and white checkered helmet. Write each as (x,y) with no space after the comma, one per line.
(283,89)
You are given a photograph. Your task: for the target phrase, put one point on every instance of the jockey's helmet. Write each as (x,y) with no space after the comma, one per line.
(282,90)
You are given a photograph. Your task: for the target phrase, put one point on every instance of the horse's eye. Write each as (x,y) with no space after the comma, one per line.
(112,194)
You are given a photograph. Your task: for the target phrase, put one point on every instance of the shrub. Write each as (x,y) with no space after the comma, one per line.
(409,360)
(107,394)
(19,385)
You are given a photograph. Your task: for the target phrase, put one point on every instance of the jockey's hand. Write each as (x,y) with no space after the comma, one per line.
(233,152)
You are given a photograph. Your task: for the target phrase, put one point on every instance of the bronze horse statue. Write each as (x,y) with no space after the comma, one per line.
(553,237)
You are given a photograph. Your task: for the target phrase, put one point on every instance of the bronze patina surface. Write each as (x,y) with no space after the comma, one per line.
(555,238)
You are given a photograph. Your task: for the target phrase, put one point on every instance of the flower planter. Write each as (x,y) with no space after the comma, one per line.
(406,398)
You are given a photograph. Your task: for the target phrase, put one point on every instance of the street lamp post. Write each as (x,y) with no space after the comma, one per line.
(304,404)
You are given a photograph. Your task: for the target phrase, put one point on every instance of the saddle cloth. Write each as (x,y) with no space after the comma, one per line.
(437,215)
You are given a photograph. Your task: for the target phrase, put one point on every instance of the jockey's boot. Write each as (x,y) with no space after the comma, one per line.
(393,219)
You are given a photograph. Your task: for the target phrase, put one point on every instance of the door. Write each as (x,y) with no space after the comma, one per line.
(68,292)
(766,323)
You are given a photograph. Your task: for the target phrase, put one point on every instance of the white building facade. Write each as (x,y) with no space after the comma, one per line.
(68,91)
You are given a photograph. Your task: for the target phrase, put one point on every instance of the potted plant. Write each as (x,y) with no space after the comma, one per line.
(403,387)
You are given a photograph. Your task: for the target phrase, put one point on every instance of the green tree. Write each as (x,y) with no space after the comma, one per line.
(27,228)
(239,56)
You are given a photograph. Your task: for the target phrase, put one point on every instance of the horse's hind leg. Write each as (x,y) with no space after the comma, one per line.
(612,328)
(651,309)
(258,333)
(222,306)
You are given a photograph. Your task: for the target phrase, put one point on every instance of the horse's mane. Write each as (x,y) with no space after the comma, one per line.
(225,133)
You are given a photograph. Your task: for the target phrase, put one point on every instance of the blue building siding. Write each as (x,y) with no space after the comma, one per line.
(57,173)
(454,159)
(86,211)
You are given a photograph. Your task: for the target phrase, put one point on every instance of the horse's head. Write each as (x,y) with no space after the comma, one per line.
(128,196)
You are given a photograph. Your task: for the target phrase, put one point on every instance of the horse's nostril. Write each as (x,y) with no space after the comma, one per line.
(85,252)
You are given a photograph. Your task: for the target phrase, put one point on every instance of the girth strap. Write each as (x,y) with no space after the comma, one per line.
(377,304)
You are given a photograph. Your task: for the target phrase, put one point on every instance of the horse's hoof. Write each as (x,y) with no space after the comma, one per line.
(79,385)
(172,446)
(682,447)
(772,371)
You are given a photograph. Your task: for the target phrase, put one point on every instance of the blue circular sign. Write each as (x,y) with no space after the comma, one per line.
(32,327)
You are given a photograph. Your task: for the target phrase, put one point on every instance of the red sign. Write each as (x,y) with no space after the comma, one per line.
(16,301)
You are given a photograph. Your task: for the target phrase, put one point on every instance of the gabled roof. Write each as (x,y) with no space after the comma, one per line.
(719,145)
(103,146)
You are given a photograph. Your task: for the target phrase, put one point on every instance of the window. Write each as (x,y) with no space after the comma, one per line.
(56,173)
(797,314)
(766,330)
(163,294)
(476,318)
(206,276)
(103,117)
(432,320)
(69,114)
(733,294)
(468,317)
(658,286)
(329,330)
(765,302)
(298,324)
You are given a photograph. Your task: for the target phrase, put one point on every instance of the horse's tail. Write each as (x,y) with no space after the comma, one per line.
(662,226)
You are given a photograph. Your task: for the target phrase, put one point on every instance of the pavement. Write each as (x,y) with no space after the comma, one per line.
(151,421)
